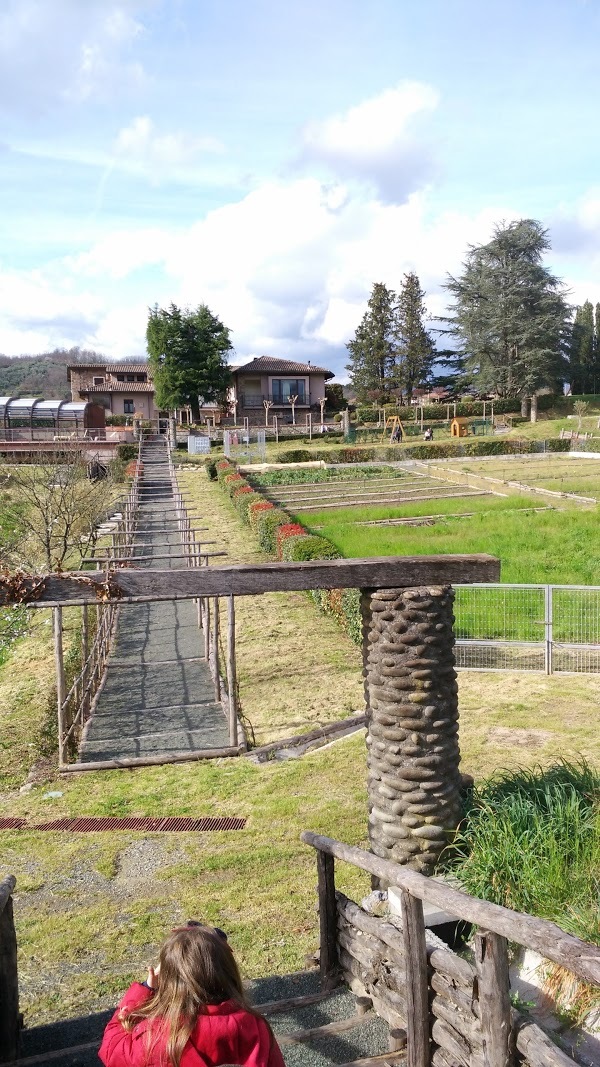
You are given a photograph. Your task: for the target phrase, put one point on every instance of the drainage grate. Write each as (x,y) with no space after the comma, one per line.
(170,824)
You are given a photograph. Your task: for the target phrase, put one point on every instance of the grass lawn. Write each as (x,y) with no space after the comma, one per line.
(92,908)
(548,546)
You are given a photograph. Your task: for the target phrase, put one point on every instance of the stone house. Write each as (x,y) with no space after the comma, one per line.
(121,388)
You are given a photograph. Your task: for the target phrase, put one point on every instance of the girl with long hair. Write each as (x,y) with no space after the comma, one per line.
(191,1011)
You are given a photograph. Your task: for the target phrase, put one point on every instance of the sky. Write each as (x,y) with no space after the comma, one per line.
(274,160)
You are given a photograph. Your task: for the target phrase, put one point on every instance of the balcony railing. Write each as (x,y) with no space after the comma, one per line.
(256,400)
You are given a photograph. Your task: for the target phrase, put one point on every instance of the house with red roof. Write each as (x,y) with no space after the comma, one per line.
(275,381)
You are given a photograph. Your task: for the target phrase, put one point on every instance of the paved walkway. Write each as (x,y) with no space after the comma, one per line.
(158,696)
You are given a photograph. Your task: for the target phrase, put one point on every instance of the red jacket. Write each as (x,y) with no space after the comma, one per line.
(226,1034)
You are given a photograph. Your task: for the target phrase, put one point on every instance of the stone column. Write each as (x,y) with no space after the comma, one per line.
(534,408)
(412,713)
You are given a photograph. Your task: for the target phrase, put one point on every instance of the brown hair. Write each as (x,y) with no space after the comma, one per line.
(197,967)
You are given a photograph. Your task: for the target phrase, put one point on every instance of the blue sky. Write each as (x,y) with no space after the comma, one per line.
(275,160)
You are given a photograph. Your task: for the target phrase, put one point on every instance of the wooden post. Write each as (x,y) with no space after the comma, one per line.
(417,986)
(60,682)
(9,986)
(328,959)
(206,626)
(491,962)
(231,672)
(215,647)
(85,651)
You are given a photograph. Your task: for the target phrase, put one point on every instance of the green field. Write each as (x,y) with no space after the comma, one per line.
(552,546)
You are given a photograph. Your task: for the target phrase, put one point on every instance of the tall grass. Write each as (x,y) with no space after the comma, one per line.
(530,840)
(557,547)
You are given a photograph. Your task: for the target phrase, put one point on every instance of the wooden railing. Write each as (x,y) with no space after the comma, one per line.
(470,1020)
(10,1020)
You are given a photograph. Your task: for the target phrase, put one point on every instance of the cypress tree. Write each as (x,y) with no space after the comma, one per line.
(372,349)
(414,348)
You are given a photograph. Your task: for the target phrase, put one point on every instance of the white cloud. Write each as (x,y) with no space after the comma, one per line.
(373,141)
(67,50)
(287,273)
(141,143)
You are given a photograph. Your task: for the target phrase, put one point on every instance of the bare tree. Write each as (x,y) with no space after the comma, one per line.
(59,506)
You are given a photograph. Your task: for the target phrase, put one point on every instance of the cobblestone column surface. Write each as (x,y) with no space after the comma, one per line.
(412,708)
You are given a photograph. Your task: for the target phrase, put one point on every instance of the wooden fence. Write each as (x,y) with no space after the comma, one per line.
(10,1020)
(455,1013)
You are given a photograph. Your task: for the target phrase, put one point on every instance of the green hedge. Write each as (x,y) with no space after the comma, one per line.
(267,523)
(342,604)
(479,446)
(464,409)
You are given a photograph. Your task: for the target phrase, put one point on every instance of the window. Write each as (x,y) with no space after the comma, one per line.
(130,377)
(284,388)
(98,381)
(120,377)
(128,407)
(140,378)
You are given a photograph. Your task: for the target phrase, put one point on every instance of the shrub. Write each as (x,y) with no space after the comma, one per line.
(254,509)
(127,452)
(242,500)
(267,522)
(295,455)
(311,547)
(210,466)
(289,529)
(232,482)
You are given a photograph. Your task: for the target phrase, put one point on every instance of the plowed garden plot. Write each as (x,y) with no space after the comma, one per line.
(560,474)
(333,490)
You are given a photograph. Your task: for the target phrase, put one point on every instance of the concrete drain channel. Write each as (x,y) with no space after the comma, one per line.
(91,824)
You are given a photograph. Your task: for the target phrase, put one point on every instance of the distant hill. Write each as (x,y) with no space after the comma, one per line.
(43,375)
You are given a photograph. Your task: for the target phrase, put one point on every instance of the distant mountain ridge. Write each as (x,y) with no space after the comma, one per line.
(44,375)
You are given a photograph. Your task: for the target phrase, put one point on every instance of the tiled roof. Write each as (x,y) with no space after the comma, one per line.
(110,367)
(118,387)
(272,365)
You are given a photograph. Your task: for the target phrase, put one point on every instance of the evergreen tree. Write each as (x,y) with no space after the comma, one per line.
(372,349)
(414,348)
(509,313)
(582,350)
(187,351)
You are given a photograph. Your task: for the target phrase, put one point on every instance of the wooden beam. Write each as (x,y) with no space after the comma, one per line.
(540,934)
(382,572)
(231,672)
(491,961)
(417,985)
(329,965)
(149,761)
(9,987)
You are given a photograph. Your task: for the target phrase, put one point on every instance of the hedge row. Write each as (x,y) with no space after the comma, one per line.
(464,409)
(485,446)
(279,536)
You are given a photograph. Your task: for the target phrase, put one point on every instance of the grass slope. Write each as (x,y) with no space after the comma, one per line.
(91,909)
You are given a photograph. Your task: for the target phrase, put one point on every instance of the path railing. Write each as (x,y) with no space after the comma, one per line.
(10,1020)
(75,696)
(119,585)
(453,1012)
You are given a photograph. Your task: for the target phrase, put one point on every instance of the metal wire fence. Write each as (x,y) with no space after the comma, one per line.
(547,628)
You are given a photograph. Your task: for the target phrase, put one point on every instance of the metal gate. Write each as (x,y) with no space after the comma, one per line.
(546,628)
